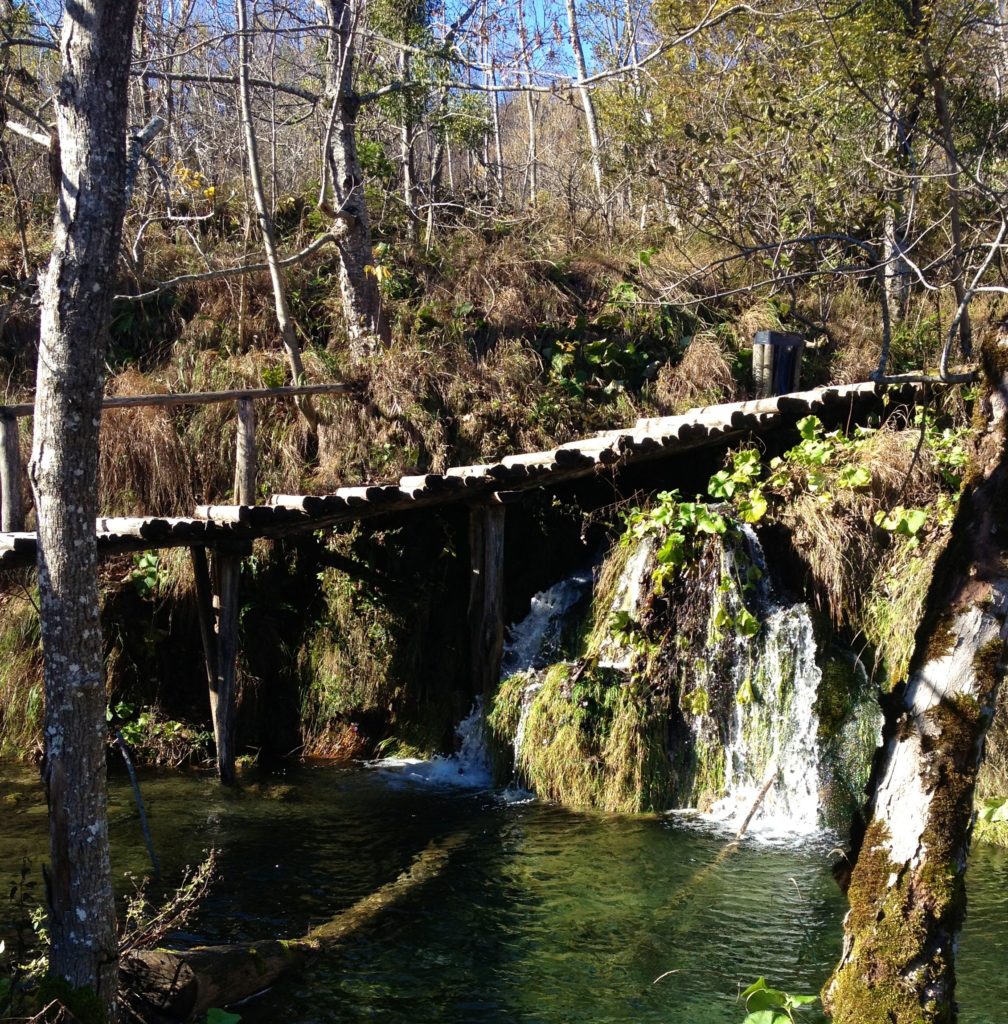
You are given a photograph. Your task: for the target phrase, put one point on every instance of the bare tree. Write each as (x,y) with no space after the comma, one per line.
(366,324)
(290,343)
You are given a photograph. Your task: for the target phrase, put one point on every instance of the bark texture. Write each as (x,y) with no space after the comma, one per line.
(91,111)
(907,893)
(367,328)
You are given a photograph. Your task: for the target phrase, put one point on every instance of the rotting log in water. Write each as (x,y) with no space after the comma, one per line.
(164,985)
(906,890)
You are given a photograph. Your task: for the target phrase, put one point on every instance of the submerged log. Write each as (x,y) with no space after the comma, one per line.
(164,985)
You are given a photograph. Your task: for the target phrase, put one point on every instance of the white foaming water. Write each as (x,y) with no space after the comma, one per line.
(531,641)
(775,735)
(467,768)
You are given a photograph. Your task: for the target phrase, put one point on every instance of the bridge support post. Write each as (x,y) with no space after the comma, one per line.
(245,455)
(486,596)
(12,510)
(217,594)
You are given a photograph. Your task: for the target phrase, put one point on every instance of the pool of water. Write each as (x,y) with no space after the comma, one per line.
(542,916)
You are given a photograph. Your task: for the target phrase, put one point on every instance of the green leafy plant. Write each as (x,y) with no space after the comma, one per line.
(148,574)
(274,376)
(902,522)
(766,1005)
(994,811)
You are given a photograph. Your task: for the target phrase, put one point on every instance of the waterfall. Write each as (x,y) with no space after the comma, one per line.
(773,730)
(531,643)
(468,768)
(774,736)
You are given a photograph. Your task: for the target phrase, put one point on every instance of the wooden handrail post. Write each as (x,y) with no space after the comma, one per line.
(246,456)
(12,509)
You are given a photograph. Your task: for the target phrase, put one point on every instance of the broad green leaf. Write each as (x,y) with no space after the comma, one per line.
(810,427)
(767,1017)
(721,485)
(766,999)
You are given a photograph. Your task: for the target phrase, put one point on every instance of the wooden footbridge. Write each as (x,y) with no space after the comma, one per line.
(227,531)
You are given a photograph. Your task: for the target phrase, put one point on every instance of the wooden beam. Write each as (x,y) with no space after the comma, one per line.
(486,596)
(205,613)
(12,512)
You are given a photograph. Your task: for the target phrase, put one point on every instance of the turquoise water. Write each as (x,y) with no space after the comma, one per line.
(542,916)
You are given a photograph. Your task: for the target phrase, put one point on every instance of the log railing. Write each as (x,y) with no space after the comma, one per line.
(12,510)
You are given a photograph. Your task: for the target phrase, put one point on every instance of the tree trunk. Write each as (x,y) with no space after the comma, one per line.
(76,295)
(896,228)
(183,984)
(588,105)
(367,328)
(407,157)
(952,164)
(287,333)
(906,892)
(530,108)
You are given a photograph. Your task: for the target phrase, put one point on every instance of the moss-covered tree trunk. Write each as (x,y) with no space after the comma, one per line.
(907,892)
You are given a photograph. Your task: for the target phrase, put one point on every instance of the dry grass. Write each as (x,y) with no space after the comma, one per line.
(143,465)
(844,552)
(702,377)
(22,697)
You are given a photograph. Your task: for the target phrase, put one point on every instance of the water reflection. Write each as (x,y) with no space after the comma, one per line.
(544,916)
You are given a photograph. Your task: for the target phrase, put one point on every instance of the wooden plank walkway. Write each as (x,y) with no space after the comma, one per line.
(216,526)
(228,530)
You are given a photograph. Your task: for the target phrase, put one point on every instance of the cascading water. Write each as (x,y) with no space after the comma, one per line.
(530,644)
(469,767)
(772,756)
(533,642)
(774,733)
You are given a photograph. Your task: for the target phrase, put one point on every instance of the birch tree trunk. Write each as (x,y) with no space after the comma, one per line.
(407,156)
(906,893)
(288,335)
(367,328)
(530,108)
(587,104)
(899,126)
(91,103)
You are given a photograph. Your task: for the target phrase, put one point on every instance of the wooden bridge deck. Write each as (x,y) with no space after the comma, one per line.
(226,531)
(219,525)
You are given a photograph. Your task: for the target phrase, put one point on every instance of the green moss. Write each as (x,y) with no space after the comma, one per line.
(83,1003)
(709,773)
(504,712)
(989,667)
(878,982)
(593,741)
